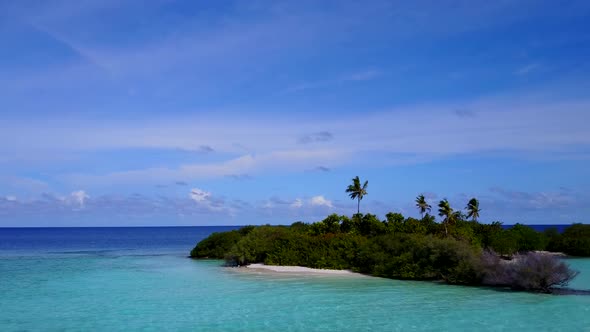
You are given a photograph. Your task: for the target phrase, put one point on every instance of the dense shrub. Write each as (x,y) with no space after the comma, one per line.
(531,271)
(408,248)
(504,242)
(403,256)
(330,225)
(255,246)
(282,246)
(216,245)
(484,233)
(518,238)
(527,239)
(464,231)
(369,225)
(396,223)
(552,238)
(300,226)
(574,241)
(415,226)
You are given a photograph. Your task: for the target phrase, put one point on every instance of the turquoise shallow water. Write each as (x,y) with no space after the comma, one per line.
(138,289)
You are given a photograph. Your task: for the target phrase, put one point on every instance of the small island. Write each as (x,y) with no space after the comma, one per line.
(457,250)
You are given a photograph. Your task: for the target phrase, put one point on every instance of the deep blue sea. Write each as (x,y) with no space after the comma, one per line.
(540,228)
(139,279)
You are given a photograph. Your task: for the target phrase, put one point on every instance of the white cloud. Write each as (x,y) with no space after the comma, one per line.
(320,201)
(199,195)
(206,201)
(77,198)
(503,202)
(297,203)
(10,198)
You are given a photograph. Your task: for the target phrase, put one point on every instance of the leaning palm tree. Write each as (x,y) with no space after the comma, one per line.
(422,205)
(473,209)
(356,191)
(445,210)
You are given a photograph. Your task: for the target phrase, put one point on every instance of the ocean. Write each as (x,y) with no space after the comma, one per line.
(540,228)
(140,279)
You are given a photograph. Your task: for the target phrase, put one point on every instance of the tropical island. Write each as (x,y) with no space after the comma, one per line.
(457,250)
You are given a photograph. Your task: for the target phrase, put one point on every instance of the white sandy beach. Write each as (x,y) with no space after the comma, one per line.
(298,270)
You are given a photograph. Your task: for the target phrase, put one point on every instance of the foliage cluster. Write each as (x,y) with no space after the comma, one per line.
(418,257)
(574,241)
(408,248)
(218,244)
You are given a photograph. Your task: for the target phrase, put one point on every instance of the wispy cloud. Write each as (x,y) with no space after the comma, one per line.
(536,200)
(498,203)
(321,169)
(26,184)
(464,113)
(360,76)
(199,195)
(131,106)
(430,195)
(207,201)
(205,149)
(502,124)
(239,177)
(322,136)
(527,69)
(290,161)
(364,75)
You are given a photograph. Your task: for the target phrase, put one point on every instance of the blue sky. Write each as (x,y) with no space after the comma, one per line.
(248,112)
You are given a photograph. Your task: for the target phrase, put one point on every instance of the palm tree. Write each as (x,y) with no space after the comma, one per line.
(422,205)
(356,191)
(473,209)
(445,210)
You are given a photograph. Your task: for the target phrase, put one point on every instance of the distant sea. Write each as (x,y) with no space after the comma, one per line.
(540,228)
(140,279)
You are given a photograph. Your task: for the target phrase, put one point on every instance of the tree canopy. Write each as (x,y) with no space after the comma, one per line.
(356,191)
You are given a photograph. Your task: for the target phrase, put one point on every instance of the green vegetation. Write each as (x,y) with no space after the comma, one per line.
(574,241)
(408,248)
(217,244)
(445,211)
(473,209)
(459,250)
(422,205)
(356,191)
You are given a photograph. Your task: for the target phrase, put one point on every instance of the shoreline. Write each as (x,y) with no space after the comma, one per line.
(298,270)
(551,253)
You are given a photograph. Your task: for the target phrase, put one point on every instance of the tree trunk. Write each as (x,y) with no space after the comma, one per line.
(358,206)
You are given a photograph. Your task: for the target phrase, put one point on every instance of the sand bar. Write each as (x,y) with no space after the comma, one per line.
(298,270)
